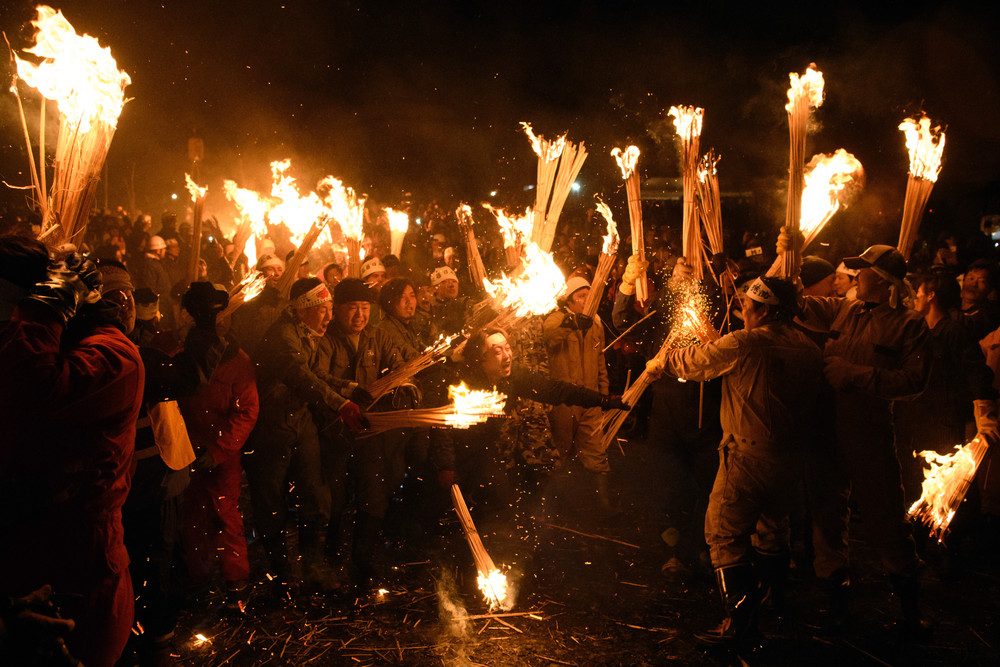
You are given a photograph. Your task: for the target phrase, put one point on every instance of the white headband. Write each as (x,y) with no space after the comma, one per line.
(314,297)
(759,292)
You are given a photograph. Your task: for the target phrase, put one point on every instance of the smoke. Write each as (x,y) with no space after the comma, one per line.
(454,620)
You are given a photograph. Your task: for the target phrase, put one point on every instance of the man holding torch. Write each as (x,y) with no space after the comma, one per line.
(769,393)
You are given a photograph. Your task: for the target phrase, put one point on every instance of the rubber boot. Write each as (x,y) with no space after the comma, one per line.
(363,548)
(606,506)
(277,557)
(739,592)
(311,554)
(914,628)
(838,588)
(772,573)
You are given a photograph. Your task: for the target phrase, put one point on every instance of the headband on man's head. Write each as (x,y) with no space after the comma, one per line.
(314,297)
(761,293)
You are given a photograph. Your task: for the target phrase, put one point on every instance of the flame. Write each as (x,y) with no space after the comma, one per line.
(472,406)
(252,207)
(296,212)
(398,220)
(514,229)
(689,324)
(534,288)
(494,587)
(200,639)
(626,160)
(687,121)
(707,167)
(611,238)
(946,479)
(76,72)
(926,146)
(345,207)
(548,151)
(826,178)
(807,89)
(193,188)
(251,286)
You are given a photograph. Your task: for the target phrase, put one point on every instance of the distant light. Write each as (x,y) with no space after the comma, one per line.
(575,187)
(493,193)
(173,196)
(529,187)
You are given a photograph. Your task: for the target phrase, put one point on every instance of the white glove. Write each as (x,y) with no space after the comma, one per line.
(987,424)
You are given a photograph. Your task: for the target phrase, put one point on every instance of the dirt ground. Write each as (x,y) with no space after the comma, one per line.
(595,596)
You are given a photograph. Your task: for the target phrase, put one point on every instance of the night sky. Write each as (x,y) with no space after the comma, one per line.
(425,97)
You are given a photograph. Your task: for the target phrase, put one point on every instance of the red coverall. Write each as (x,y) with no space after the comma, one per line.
(219,419)
(68,405)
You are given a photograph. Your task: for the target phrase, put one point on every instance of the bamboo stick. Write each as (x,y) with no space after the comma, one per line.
(926,147)
(688,122)
(477,270)
(806,92)
(293,264)
(570,164)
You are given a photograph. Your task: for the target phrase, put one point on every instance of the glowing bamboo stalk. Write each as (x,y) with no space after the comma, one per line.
(605,261)
(477,270)
(404,372)
(399,223)
(491,581)
(805,92)
(198,197)
(946,481)
(926,146)
(548,153)
(293,264)
(687,122)
(570,164)
(627,162)
(246,290)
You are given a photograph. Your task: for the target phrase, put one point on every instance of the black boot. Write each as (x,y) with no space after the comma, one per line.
(314,573)
(739,593)
(364,547)
(606,506)
(914,628)
(838,588)
(772,573)
(277,557)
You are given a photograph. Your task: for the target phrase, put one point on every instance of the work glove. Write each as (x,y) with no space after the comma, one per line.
(655,367)
(787,241)
(62,292)
(681,271)
(204,303)
(446,478)
(841,373)
(633,270)
(613,402)
(351,415)
(89,274)
(204,462)
(361,396)
(584,322)
(987,424)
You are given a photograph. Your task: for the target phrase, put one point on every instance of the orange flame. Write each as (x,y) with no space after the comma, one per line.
(946,480)
(687,121)
(196,191)
(345,207)
(611,238)
(399,221)
(626,160)
(296,212)
(515,228)
(534,288)
(549,151)
(826,180)
(806,89)
(493,584)
(473,406)
(76,72)
(926,145)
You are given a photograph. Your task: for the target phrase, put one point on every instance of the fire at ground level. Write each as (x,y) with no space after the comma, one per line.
(584,600)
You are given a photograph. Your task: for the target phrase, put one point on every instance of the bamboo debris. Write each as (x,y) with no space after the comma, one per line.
(946,481)
(404,372)
(926,146)
(805,92)
(477,270)
(89,90)
(491,580)
(688,122)
(605,262)
(627,160)
(293,264)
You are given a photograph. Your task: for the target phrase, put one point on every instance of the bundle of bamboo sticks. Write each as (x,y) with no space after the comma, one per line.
(477,270)
(570,163)
(605,261)
(710,208)
(548,153)
(926,146)
(468,408)
(688,122)
(89,90)
(246,290)
(491,580)
(198,197)
(627,160)
(946,482)
(301,253)
(805,92)
(515,230)
(399,223)
(404,372)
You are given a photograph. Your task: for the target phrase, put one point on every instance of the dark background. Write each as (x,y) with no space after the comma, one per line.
(425,97)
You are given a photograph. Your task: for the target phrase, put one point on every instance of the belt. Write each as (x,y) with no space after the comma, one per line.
(147,453)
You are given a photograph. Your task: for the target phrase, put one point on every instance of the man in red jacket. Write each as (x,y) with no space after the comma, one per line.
(72,383)
(219,419)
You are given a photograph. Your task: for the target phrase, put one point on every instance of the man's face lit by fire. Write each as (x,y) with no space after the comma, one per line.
(498,359)
(352,316)
(577,299)
(446,289)
(273,274)
(975,288)
(871,287)
(406,306)
(425,295)
(842,283)
(317,318)
(375,280)
(922,301)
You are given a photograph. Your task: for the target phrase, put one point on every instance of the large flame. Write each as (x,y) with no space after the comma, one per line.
(925,145)
(826,180)
(346,207)
(473,406)
(494,587)
(611,238)
(806,89)
(296,212)
(513,228)
(399,221)
(82,78)
(251,286)
(254,209)
(533,289)
(196,191)
(946,479)
(626,159)
(549,151)
(687,121)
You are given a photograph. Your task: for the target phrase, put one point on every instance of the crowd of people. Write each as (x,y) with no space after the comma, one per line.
(135,404)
